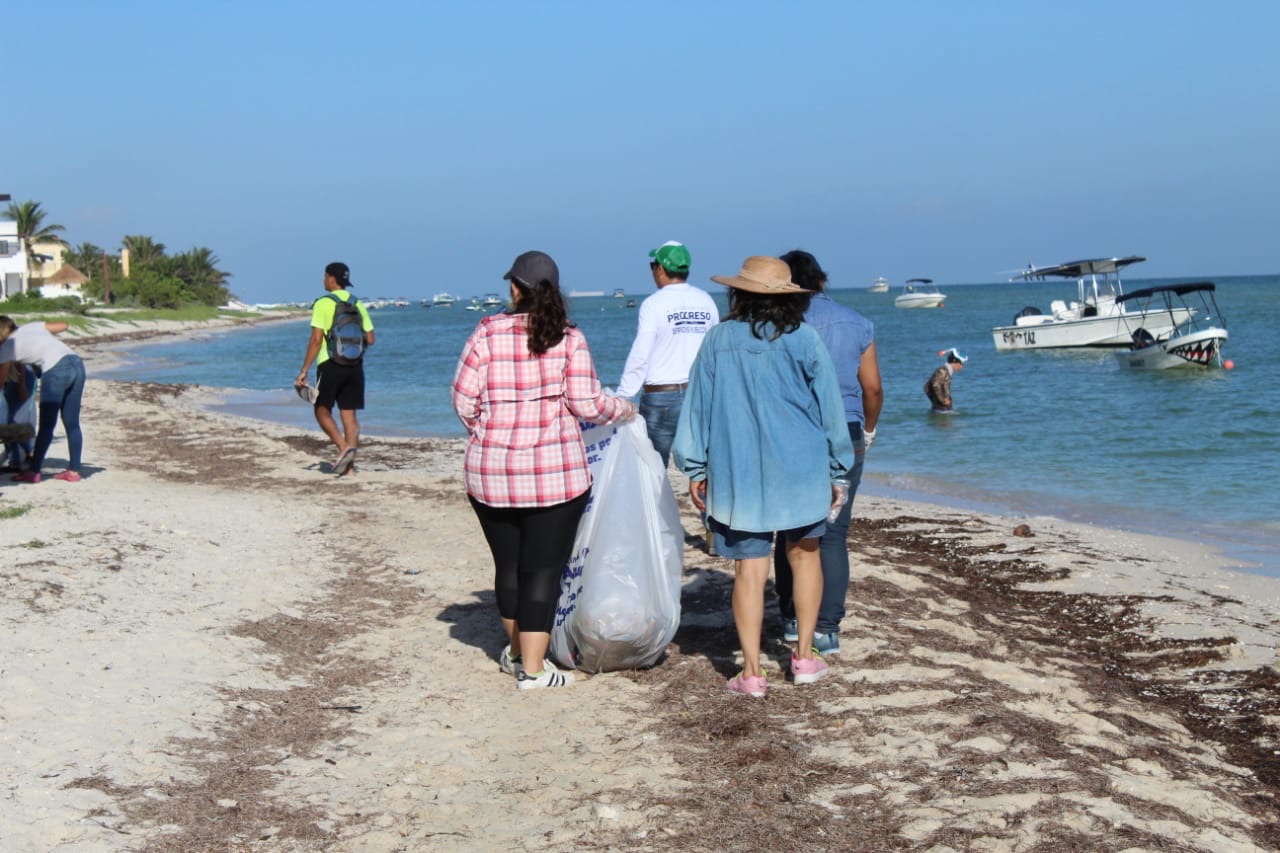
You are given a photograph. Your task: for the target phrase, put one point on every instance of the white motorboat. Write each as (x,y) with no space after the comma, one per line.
(619,293)
(1095,319)
(879,285)
(491,300)
(443,300)
(474,305)
(1194,342)
(919,293)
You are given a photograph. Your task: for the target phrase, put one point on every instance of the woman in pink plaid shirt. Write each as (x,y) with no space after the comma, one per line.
(523,382)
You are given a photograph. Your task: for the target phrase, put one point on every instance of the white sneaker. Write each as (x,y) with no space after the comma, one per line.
(549,677)
(508,664)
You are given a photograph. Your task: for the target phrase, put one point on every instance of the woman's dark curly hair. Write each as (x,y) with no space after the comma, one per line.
(776,314)
(548,315)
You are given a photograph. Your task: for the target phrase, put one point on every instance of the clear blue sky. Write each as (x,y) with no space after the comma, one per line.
(426,144)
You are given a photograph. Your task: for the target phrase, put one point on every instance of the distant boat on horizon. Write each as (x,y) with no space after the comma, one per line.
(879,285)
(586,293)
(443,300)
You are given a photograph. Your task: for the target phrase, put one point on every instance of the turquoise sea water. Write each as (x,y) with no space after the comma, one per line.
(1066,433)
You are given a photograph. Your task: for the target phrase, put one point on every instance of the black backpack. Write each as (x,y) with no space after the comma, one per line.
(345,338)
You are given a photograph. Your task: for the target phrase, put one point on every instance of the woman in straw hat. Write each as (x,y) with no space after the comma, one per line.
(524,380)
(762,435)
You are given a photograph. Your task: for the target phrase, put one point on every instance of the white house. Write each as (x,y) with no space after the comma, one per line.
(13,260)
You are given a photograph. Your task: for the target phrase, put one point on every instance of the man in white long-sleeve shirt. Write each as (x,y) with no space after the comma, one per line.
(671,327)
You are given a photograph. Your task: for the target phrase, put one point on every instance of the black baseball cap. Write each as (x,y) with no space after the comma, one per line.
(340,272)
(533,267)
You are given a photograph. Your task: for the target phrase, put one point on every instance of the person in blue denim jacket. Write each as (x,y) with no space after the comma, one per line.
(761,436)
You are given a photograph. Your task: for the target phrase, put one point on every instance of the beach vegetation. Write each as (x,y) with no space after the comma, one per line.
(88,258)
(186,313)
(35,543)
(33,303)
(14,511)
(156,278)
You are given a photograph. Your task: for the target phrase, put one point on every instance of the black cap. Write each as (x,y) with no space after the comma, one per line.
(341,273)
(533,267)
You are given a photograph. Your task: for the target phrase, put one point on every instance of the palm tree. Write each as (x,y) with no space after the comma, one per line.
(32,230)
(198,268)
(87,258)
(143,251)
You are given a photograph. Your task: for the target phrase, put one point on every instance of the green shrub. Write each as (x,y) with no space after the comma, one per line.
(34,303)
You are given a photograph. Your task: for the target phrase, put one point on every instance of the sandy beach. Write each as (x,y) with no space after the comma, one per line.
(211,643)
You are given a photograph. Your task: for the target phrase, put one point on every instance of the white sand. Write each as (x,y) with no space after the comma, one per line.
(209,578)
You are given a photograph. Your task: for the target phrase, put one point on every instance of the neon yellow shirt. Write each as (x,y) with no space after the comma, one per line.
(322,313)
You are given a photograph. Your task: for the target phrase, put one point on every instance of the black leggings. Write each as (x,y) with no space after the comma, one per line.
(530,546)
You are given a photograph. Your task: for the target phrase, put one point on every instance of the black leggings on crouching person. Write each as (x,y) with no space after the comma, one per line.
(530,546)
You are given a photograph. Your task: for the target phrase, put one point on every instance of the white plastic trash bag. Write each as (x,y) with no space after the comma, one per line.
(620,591)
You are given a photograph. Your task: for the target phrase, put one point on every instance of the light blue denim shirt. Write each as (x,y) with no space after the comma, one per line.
(847,335)
(763,424)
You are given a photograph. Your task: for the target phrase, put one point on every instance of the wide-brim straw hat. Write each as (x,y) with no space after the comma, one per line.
(761,274)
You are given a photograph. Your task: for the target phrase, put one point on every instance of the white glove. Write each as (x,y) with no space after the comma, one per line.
(868,436)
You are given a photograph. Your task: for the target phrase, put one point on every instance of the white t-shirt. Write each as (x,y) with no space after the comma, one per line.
(33,344)
(671,327)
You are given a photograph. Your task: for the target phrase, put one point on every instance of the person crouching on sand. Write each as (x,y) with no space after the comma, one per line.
(762,435)
(524,380)
(61,389)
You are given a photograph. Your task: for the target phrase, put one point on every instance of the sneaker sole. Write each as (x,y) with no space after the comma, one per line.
(809,678)
(345,461)
(532,684)
(753,694)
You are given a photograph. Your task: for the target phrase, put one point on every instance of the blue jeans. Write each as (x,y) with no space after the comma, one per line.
(661,413)
(833,548)
(61,388)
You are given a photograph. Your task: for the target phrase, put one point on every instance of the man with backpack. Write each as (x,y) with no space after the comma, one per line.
(340,332)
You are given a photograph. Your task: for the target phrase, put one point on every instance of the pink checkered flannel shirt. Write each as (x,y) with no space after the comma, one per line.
(522,412)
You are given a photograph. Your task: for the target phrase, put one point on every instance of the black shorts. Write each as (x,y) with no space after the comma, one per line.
(341,384)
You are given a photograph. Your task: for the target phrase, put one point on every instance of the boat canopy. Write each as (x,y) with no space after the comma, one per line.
(921,280)
(1080,269)
(1179,289)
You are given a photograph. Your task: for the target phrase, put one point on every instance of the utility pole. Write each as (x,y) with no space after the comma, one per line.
(106,279)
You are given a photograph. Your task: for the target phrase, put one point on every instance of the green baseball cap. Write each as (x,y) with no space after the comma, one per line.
(672,256)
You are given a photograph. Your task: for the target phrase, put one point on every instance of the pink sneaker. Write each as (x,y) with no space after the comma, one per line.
(26,477)
(68,476)
(748,685)
(807,670)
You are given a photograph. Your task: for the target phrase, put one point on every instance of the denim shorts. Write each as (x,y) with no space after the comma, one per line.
(746,545)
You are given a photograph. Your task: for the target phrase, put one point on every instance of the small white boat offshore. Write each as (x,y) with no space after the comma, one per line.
(1094,319)
(474,305)
(491,300)
(443,300)
(619,293)
(919,293)
(1194,342)
(879,285)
